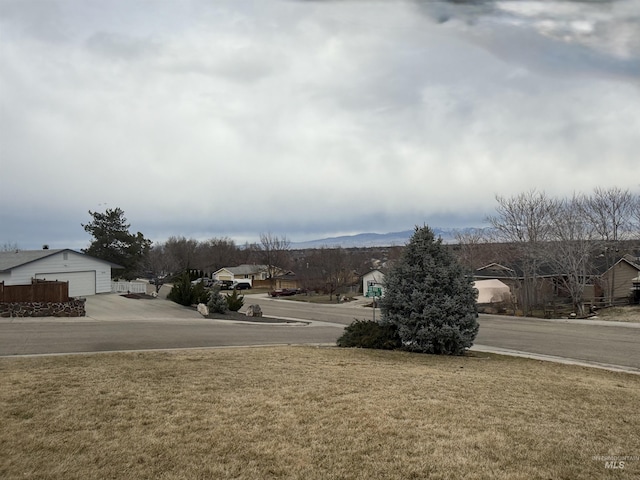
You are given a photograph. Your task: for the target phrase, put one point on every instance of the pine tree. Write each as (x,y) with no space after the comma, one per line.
(182,291)
(234,301)
(113,242)
(217,303)
(429,299)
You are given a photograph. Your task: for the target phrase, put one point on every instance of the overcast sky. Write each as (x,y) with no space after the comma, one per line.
(308,119)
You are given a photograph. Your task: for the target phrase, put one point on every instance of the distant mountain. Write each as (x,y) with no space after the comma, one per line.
(363,240)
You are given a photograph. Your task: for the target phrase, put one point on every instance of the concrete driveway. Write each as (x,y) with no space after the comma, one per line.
(115,307)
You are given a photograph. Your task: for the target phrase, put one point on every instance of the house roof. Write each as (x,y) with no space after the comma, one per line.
(245,269)
(288,275)
(379,270)
(600,266)
(17,258)
(514,271)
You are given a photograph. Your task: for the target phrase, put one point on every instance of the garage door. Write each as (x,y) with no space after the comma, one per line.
(81,284)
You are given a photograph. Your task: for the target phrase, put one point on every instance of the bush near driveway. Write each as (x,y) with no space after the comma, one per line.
(217,303)
(187,294)
(234,301)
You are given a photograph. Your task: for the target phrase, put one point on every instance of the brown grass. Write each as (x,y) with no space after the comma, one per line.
(316,298)
(628,313)
(312,413)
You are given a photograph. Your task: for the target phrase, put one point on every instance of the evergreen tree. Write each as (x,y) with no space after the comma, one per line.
(234,301)
(217,303)
(113,242)
(186,293)
(429,299)
(182,291)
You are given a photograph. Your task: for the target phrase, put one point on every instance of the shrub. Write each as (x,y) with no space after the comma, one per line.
(217,303)
(185,293)
(370,334)
(429,299)
(199,293)
(234,301)
(181,292)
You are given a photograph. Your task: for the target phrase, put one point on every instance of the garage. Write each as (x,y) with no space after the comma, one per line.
(86,275)
(81,284)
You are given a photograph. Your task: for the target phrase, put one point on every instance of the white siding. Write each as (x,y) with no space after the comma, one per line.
(375,277)
(81,284)
(64,263)
(223,274)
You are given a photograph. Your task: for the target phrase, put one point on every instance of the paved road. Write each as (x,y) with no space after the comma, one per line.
(115,323)
(343,313)
(606,343)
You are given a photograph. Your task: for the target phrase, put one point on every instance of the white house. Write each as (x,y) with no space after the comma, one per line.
(241,272)
(373,282)
(86,275)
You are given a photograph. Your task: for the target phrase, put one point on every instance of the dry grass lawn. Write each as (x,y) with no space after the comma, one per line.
(627,313)
(312,413)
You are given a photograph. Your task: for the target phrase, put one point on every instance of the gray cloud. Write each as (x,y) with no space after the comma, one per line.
(307,118)
(561,36)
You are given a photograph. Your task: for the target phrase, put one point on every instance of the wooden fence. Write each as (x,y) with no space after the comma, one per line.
(38,291)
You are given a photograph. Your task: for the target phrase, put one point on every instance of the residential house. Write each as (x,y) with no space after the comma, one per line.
(614,283)
(526,290)
(86,275)
(242,272)
(286,280)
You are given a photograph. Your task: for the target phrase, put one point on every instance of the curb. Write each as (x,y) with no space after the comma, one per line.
(555,359)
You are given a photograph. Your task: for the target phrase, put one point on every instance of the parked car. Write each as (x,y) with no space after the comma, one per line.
(223,284)
(283,292)
(241,286)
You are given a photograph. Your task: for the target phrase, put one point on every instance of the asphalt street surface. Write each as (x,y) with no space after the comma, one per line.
(114,323)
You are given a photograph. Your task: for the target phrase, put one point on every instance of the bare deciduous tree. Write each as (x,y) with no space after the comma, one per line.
(331,268)
(610,211)
(635,218)
(571,248)
(180,253)
(217,253)
(274,253)
(471,248)
(525,221)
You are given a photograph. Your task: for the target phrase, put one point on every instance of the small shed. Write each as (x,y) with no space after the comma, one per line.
(373,281)
(492,291)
